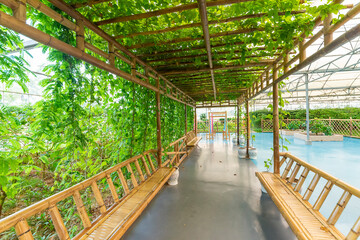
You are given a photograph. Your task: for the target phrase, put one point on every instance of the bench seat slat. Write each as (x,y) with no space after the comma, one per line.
(305,223)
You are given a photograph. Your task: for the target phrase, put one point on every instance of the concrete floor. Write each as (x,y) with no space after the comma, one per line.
(218,197)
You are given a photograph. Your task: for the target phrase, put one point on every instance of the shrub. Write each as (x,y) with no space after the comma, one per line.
(294,125)
(317,126)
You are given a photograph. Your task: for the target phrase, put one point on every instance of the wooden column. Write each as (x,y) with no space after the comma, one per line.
(247,129)
(276,122)
(80,35)
(111,54)
(302,50)
(195,120)
(237,124)
(20,11)
(185,118)
(158,125)
(328,37)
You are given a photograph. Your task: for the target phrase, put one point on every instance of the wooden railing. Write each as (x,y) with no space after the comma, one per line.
(129,175)
(291,173)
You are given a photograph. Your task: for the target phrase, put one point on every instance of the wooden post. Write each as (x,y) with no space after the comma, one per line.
(185,118)
(23,230)
(276,122)
(158,125)
(111,54)
(237,124)
(80,35)
(286,60)
(247,129)
(302,50)
(20,11)
(328,37)
(195,120)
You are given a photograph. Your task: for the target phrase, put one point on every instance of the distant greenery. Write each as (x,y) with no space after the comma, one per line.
(323,113)
(317,126)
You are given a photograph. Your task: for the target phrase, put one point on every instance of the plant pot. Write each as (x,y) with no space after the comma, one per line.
(234,140)
(242,152)
(173,180)
(242,141)
(252,153)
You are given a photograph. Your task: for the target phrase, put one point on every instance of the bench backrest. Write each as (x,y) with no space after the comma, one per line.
(129,174)
(296,171)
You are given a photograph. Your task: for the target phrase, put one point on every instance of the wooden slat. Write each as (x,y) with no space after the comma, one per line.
(81,210)
(58,223)
(301,181)
(323,195)
(294,173)
(287,169)
(311,187)
(23,230)
(132,176)
(138,168)
(355,231)
(150,162)
(146,166)
(339,208)
(98,197)
(123,181)
(112,188)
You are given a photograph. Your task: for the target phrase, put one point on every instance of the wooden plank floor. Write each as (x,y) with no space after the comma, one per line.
(303,221)
(115,221)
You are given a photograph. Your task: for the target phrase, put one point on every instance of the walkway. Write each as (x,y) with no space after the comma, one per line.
(218,197)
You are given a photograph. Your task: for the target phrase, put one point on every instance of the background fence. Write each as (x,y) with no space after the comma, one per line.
(203,126)
(347,127)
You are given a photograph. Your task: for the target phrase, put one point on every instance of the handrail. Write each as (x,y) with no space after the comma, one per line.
(345,186)
(42,205)
(293,170)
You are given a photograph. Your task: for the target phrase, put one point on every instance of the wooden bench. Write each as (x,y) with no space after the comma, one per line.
(305,220)
(138,178)
(191,139)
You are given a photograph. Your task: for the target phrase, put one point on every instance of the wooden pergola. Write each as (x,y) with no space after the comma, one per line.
(206,83)
(170,67)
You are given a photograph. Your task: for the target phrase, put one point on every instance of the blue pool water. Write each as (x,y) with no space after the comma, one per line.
(340,159)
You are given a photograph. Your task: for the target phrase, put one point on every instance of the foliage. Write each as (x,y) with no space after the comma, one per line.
(317,126)
(203,117)
(294,125)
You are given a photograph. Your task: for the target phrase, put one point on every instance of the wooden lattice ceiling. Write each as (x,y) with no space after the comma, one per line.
(211,50)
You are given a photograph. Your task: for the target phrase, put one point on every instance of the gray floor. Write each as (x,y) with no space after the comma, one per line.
(218,197)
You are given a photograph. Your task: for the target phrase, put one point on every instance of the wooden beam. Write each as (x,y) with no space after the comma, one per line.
(192,25)
(172,58)
(241,90)
(194,70)
(89,3)
(189,39)
(160,12)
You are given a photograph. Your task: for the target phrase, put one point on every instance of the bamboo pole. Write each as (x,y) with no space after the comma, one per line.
(276,122)
(20,11)
(247,129)
(237,124)
(195,121)
(328,36)
(185,118)
(158,125)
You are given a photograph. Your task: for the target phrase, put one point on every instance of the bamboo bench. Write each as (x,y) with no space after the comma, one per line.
(139,178)
(191,139)
(305,220)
